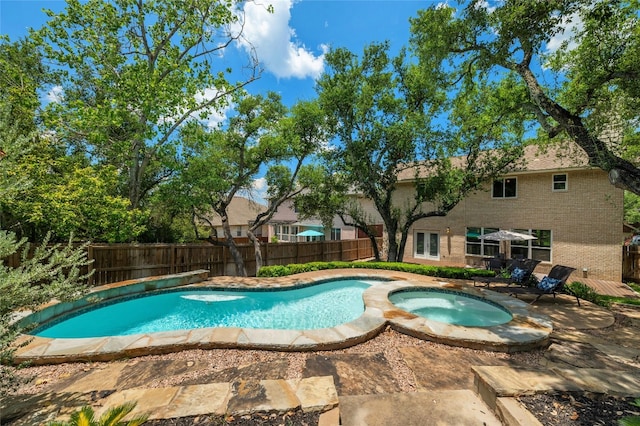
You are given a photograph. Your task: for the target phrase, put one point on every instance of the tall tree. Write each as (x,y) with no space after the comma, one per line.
(65,193)
(44,273)
(130,73)
(220,164)
(385,112)
(586,90)
(304,134)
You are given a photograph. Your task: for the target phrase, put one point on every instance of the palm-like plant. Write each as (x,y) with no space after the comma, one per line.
(631,420)
(113,417)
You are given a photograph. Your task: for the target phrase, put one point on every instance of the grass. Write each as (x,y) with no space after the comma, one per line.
(625,300)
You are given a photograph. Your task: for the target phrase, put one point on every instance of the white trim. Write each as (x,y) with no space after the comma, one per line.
(503,197)
(566,182)
(426,246)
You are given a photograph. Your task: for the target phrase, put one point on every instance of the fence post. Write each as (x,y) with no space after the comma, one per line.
(90,268)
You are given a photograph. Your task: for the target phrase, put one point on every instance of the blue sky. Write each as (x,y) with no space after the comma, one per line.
(290,42)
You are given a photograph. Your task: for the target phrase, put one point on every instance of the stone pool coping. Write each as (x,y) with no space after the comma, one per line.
(526,331)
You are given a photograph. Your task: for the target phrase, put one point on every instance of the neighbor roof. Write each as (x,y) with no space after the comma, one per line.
(241,211)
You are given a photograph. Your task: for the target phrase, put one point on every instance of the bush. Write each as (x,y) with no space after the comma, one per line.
(432,271)
(585,292)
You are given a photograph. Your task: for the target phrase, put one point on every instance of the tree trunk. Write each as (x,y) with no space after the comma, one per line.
(257,249)
(403,242)
(241,270)
(622,173)
(392,251)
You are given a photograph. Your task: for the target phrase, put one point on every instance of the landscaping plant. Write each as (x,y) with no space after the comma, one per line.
(113,417)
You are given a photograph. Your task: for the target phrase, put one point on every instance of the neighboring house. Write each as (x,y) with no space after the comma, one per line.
(242,212)
(285,226)
(572,208)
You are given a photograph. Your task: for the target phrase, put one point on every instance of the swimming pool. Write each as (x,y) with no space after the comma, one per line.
(527,330)
(451,307)
(323,305)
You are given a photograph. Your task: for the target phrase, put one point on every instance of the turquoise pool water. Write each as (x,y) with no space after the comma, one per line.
(451,307)
(318,306)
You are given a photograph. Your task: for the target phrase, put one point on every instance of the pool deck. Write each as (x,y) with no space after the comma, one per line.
(527,330)
(471,389)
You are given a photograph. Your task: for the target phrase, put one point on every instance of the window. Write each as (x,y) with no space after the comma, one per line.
(426,245)
(560,182)
(239,231)
(336,234)
(539,249)
(504,188)
(477,247)
(286,233)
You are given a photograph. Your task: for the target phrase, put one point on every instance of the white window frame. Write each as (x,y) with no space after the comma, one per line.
(336,234)
(427,252)
(531,246)
(483,244)
(565,182)
(503,196)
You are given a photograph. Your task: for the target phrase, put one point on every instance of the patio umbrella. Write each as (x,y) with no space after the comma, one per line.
(310,233)
(504,235)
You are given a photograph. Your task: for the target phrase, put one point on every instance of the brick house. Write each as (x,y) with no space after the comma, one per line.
(572,208)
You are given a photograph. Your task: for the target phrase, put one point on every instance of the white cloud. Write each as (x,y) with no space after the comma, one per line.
(257,192)
(215,115)
(570,26)
(56,94)
(275,42)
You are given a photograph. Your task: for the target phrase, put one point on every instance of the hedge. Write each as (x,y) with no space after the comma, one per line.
(432,271)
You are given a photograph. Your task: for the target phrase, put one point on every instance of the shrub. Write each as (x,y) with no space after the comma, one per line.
(585,292)
(433,271)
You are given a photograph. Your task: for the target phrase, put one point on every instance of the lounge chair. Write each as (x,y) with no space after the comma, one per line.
(553,283)
(520,272)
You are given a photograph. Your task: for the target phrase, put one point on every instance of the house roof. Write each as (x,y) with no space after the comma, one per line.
(241,211)
(535,159)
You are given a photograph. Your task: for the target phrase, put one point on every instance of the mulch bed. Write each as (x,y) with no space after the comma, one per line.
(591,409)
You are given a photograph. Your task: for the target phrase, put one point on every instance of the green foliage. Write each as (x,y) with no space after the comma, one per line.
(631,420)
(587,91)
(112,417)
(131,74)
(585,292)
(383,111)
(45,273)
(631,208)
(434,271)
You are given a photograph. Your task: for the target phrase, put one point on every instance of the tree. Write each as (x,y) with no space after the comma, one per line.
(304,134)
(45,273)
(586,91)
(385,114)
(131,73)
(220,164)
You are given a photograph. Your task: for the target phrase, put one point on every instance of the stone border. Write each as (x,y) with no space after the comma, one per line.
(526,331)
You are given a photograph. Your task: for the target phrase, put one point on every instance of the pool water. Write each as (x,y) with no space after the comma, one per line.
(451,307)
(318,306)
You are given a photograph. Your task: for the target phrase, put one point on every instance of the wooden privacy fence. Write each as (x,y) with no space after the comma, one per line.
(120,262)
(631,263)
